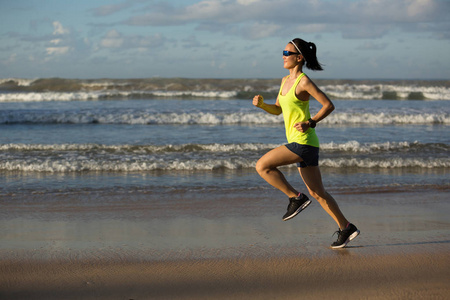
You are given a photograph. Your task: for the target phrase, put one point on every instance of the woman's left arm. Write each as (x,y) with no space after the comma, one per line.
(316,93)
(327,106)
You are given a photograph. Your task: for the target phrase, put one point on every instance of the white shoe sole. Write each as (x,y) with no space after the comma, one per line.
(351,237)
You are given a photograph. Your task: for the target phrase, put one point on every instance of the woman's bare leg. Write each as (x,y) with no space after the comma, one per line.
(267,169)
(313,179)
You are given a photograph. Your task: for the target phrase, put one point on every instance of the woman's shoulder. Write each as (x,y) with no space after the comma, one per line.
(304,85)
(305,81)
(305,77)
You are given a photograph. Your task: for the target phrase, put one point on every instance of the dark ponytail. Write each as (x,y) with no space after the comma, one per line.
(309,51)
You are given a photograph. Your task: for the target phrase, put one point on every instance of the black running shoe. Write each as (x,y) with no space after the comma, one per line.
(345,236)
(296,205)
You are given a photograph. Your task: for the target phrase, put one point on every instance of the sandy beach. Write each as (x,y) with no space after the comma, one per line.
(135,246)
(412,276)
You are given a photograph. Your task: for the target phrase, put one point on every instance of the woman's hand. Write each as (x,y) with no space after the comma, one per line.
(301,126)
(273,109)
(258,100)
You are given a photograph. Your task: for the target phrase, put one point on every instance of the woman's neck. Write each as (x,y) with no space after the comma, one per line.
(295,72)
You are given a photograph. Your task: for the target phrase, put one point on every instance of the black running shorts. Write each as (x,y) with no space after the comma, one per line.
(309,154)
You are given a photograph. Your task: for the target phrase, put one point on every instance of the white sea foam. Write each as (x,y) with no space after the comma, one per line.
(389,91)
(103,84)
(25,90)
(136,149)
(97,95)
(135,158)
(83,164)
(350,146)
(387,163)
(204,94)
(49,96)
(209,118)
(387,118)
(357,147)
(18,81)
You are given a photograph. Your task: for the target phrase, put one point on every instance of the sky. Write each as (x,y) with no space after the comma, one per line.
(355,39)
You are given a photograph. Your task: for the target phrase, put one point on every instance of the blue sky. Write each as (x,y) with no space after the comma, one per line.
(400,39)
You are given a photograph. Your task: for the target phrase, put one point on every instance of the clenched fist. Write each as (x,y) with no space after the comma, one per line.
(258,100)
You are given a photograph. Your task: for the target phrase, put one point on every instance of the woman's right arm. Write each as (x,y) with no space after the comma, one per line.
(273,109)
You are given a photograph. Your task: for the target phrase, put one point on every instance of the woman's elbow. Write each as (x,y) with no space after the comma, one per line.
(330,107)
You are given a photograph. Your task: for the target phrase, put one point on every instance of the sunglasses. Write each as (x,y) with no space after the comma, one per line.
(288,53)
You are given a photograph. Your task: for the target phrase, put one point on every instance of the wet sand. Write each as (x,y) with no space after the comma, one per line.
(412,276)
(134,246)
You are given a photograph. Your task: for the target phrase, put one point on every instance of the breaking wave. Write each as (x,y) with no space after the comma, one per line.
(143,117)
(59,89)
(68,158)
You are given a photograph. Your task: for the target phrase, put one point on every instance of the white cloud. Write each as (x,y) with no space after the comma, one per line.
(56,41)
(59,29)
(247,2)
(312,28)
(113,39)
(354,19)
(421,8)
(57,50)
(60,44)
(215,11)
(261,30)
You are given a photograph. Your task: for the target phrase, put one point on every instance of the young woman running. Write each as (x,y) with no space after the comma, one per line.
(303,143)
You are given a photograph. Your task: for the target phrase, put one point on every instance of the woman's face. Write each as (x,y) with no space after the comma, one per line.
(291,61)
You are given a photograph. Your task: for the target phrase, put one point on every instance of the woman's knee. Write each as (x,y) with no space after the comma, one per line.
(264,165)
(260,166)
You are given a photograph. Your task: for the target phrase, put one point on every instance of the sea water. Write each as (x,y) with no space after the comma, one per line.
(180,135)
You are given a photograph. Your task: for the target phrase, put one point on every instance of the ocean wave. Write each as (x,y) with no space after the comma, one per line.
(16,81)
(49,96)
(67,165)
(209,157)
(387,118)
(136,118)
(386,163)
(58,89)
(143,117)
(137,149)
(101,95)
(358,147)
(347,147)
(387,91)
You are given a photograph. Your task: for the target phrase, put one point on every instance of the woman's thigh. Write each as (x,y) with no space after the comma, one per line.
(279,156)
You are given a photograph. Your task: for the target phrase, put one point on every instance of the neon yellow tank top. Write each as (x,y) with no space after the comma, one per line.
(294,111)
